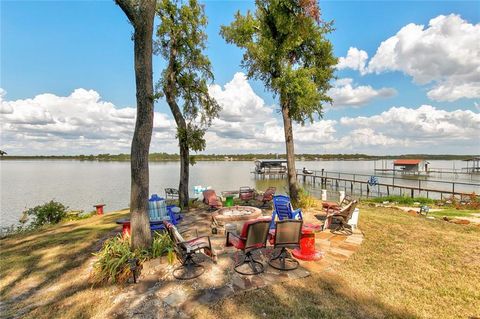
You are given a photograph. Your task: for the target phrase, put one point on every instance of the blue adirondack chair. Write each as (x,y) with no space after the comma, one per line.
(282,208)
(158,212)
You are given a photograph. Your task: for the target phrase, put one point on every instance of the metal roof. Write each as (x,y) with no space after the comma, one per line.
(401,162)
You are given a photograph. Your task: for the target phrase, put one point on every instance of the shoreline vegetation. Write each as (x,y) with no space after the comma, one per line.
(165,157)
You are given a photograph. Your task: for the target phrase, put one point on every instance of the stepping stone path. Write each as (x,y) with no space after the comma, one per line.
(159,295)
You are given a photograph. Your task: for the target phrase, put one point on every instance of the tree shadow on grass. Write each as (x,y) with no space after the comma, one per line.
(319,296)
(30,265)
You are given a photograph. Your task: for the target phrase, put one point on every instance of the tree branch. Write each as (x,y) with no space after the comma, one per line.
(128,8)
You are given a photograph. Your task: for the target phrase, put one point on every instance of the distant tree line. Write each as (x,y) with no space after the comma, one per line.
(165,157)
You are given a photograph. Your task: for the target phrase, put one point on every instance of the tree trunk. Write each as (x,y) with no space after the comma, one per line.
(184,174)
(292,174)
(140,222)
(169,90)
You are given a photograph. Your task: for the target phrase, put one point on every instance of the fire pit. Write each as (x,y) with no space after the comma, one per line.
(233,215)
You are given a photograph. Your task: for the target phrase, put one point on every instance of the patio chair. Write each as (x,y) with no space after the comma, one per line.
(171,193)
(185,250)
(334,205)
(211,199)
(267,196)
(343,215)
(253,237)
(286,235)
(282,208)
(246,193)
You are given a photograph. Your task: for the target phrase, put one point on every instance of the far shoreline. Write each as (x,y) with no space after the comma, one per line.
(164,157)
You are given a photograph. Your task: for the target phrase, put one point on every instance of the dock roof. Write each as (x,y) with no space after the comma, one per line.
(401,162)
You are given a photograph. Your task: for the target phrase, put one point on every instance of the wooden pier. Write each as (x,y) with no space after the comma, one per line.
(362,185)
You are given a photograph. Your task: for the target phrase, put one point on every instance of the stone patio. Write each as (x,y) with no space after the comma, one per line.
(159,295)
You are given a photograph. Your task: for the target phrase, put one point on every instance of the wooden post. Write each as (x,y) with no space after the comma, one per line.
(388,191)
(368,190)
(411,192)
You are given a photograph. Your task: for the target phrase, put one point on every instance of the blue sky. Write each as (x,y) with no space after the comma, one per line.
(57,47)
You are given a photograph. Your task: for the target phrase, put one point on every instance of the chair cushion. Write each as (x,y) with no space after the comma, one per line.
(249,222)
(236,242)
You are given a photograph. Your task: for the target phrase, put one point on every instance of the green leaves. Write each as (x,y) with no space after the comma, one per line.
(181,39)
(49,213)
(285,48)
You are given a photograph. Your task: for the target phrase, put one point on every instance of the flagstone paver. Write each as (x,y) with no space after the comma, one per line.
(159,295)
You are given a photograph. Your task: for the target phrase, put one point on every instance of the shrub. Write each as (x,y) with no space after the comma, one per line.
(112,265)
(305,200)
(403,200)
(49,213)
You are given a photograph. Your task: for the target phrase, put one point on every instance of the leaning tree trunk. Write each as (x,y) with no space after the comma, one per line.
(291,172)
(169,89)
(184,174)
(141,16)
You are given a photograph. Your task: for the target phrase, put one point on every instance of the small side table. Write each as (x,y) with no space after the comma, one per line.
(307,244)
(125,222)
(99,208)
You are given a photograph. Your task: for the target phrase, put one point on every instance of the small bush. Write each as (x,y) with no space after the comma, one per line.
(305,200)
(49,213)
(112,265)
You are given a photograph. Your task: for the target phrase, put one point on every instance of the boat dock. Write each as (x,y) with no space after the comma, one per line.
(377,186)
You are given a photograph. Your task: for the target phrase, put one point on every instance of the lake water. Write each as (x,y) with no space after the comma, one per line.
(81,184)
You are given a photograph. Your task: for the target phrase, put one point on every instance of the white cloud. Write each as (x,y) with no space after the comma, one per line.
(78,123)
(82,123)
(345,93)
(425,124)
(356,59)
(446,54)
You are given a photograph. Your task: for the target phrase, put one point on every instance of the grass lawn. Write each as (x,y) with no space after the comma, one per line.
(452,213)
(407,267)
(44,274)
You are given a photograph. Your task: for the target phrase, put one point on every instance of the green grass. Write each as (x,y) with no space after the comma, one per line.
(45,273)
(452,213)
(407,267)
(402,200)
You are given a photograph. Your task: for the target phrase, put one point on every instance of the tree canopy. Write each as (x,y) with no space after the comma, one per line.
(286,48)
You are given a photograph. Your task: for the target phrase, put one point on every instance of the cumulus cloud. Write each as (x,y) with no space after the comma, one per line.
(446,54)
(82,123)
(78,123)
(425,124)
(345,93)
(356,60)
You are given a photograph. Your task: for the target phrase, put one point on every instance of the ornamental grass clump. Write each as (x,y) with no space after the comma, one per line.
(115,258)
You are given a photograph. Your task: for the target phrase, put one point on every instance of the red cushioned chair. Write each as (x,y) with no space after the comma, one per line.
(253,236)
(286,235)
(267,196)
(246,193)
(211,199)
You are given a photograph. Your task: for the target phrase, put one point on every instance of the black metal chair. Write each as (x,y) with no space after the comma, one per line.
(185,250)
(171,193)
(253,237)
(287,235)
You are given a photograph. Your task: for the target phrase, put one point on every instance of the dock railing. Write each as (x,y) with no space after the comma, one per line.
(387,185)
